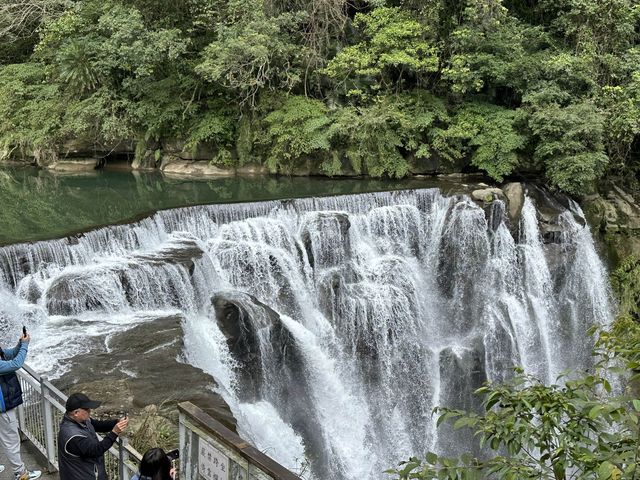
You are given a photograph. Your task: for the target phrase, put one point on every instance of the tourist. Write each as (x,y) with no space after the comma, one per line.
(11,360)
(80,452)
(155,465)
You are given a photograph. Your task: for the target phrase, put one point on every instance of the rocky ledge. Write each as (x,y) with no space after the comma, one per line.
(615,215)
(119,377)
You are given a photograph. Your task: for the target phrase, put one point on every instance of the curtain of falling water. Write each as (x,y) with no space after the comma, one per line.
(358,314)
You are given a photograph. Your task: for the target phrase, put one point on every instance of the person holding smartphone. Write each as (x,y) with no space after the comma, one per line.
(11,360)
(80,451)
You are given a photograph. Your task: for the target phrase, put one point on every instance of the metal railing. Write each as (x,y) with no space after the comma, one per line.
(39,417)
(208,450)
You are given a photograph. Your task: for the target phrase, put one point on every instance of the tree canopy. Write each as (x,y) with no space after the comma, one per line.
(505,87)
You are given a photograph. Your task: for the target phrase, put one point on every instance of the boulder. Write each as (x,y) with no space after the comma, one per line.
(174,166)
(487,195)
(514,194)
(74,166)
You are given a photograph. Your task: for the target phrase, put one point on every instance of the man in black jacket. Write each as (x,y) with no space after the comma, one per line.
(80,451)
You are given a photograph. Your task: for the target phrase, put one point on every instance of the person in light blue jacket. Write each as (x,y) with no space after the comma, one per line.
(12,359)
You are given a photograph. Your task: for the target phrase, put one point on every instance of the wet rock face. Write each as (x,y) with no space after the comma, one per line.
(465,368)
(106,287)
(142,367)
(495,215)
(550,208)
(30,290)
(333,294)
(616,216)
(321,252)
(72,293)
(243,319)
(456,272)
(240,329)
(181,249)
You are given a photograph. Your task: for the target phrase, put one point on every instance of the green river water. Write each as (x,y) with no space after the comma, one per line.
(39,205)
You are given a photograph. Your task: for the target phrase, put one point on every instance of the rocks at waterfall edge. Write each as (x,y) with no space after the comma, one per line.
(514,194)
(321,221)
(71,292)
(615,215)
(144,366)
(241,317)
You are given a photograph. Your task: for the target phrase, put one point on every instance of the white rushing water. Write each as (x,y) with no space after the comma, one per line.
(354,316)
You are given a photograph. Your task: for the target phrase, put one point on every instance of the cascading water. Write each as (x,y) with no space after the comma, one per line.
(333,326)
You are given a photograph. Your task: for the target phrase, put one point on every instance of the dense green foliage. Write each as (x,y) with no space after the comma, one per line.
(625,281)
(330,86)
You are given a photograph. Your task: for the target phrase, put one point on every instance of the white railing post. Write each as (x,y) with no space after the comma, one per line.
(49,427)
(186,460)
(21,419)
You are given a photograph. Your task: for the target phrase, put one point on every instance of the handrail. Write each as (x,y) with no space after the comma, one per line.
(40,414)
(198,428)
(43,408)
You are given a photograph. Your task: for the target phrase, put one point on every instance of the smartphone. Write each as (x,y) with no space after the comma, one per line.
(24,331)
(173,454)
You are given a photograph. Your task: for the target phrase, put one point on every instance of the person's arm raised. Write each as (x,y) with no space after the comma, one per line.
(15,357)
(90,447)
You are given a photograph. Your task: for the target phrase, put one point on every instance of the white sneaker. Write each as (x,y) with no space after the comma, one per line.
(28,475)
(1,468)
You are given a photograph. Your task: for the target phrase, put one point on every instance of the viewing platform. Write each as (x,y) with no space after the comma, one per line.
(32,458)
(208,450)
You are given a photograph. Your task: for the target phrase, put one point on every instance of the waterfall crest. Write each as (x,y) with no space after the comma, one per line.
(333,326)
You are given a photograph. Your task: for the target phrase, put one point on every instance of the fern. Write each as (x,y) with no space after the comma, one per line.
(488,134)
(299,128)
(376,137)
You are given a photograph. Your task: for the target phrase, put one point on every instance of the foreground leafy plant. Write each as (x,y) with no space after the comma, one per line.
(577,430)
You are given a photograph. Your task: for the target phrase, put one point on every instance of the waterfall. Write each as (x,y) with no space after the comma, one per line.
(332,326)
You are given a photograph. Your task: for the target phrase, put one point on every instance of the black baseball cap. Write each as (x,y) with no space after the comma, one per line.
(80,400)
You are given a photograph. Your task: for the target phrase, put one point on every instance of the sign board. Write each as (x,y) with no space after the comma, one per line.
(212,463)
